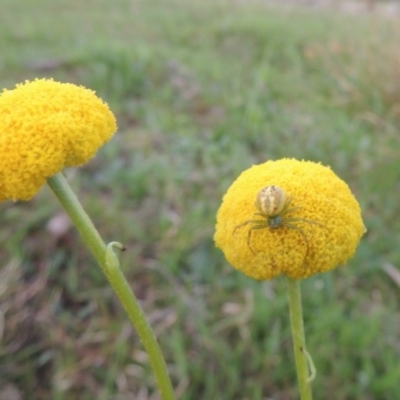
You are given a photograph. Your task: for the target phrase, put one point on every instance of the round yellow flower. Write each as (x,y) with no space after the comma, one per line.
(319,195)
(44,126)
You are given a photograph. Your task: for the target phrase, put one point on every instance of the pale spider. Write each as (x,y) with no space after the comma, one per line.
(274,207)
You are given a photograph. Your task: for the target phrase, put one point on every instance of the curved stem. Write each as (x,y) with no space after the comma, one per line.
(299,341)
(116,278)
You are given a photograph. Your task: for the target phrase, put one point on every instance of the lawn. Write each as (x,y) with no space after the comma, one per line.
(202,90)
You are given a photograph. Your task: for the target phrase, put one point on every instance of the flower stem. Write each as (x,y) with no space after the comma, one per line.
(299,342)
(110,266)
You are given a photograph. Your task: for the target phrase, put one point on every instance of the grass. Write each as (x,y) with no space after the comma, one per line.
(202,90)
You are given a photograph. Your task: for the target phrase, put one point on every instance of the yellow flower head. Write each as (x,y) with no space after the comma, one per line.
(324,233)
(44,126)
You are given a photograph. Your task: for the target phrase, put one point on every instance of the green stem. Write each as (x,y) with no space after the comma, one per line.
(299,342)
(116,278)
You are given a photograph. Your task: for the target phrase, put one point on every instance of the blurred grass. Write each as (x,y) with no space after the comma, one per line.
(202,90)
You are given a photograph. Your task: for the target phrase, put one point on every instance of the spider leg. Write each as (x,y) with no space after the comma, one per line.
(261,214)
(309,221)
(290,210)
(287,204)
(299,230)
(287,210)
(258,226)
(250,221)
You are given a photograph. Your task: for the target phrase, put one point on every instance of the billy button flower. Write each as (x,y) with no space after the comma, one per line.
(319,220)
(291,218)
(44,126)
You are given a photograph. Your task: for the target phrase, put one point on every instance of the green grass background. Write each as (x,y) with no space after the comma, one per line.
(202,90)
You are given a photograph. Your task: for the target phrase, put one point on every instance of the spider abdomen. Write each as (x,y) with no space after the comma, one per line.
(271,200)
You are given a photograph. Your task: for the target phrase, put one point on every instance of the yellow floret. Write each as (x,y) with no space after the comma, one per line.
(44,126)
(321,196)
